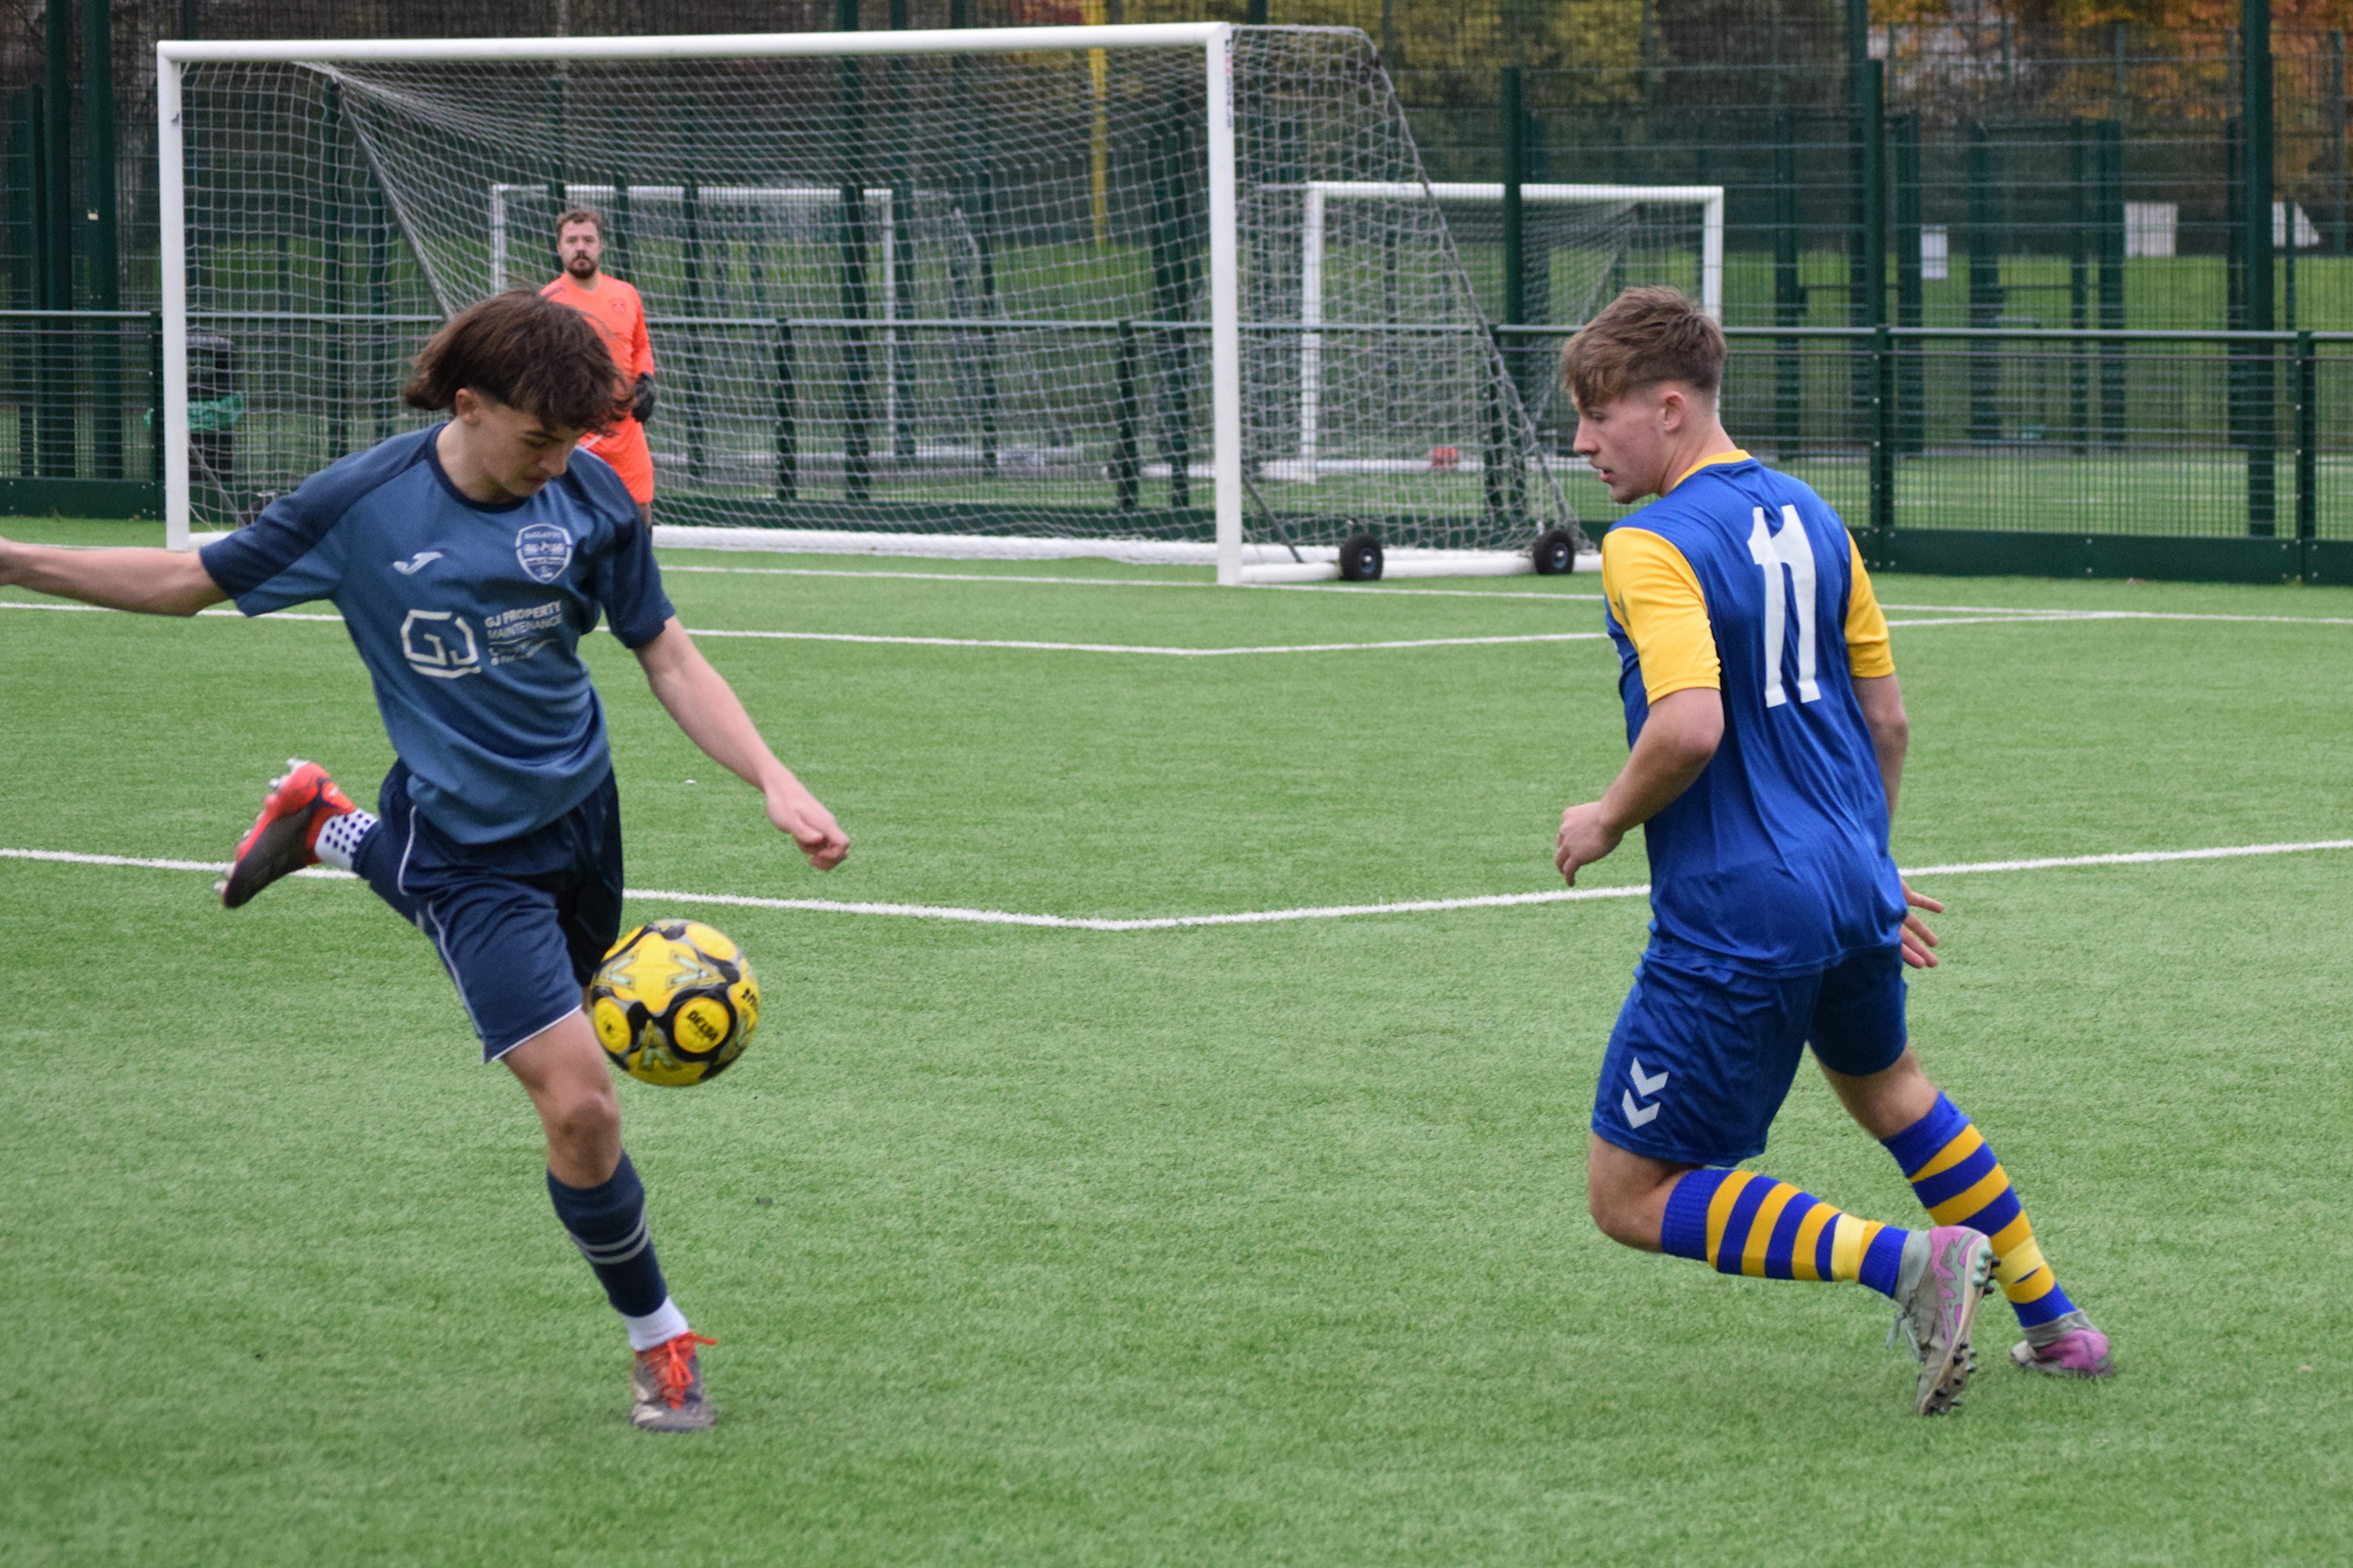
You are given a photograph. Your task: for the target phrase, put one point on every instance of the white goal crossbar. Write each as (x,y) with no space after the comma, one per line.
(1213,40)
(1319,195)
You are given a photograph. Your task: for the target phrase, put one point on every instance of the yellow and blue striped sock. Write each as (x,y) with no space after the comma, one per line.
(1958,1180)
(1740,1223)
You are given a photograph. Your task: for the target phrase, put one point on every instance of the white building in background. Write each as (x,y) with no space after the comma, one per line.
(2307,236)
(2150,228)
(1936,253)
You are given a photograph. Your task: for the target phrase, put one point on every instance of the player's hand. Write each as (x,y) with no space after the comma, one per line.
(1584,838)
(1919,941)
(641,400)
(795,811)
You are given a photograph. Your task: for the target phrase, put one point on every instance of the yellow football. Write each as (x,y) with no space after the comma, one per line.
(674,1002)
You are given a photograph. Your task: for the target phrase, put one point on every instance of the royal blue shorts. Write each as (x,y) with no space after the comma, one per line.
(520,924)
(1703,1057)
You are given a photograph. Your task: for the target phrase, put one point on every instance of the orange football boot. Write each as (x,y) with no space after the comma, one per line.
(285,836)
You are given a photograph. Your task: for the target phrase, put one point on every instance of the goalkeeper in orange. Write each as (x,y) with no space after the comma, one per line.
(619,316)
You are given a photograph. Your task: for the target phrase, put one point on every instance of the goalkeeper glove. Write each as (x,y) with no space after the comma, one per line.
(641,400)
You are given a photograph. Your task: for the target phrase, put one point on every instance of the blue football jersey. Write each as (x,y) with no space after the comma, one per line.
(466,617)
(1775,861)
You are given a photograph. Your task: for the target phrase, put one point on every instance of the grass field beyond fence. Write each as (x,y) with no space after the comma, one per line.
(1258,1243)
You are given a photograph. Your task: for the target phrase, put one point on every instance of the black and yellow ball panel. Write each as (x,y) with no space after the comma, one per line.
(674,1002)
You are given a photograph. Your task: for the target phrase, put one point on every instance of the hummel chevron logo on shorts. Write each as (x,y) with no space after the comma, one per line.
(1636,1114)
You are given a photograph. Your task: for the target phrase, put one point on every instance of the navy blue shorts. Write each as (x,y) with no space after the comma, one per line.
(520,924)
(1703,1057)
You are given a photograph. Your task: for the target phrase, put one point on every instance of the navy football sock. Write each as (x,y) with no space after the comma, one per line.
(608,1224)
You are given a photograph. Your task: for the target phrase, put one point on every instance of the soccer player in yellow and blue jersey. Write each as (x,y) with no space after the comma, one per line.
(1767,737)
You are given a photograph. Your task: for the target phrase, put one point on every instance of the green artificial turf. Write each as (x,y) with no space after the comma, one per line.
(1255,1244)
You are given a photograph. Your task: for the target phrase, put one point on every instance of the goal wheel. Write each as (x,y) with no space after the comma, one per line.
(1360,559)
(1556,553)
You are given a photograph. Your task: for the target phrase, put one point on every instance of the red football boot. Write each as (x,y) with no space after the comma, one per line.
(285,836)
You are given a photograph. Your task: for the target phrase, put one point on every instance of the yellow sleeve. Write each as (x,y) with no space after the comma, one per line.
(1655,596)
(1867,654)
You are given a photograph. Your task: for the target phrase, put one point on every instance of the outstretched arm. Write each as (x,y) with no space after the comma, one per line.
(705,707)
(1679,738)
(151,581)
(1883,714)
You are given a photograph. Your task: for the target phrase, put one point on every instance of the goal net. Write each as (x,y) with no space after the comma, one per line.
(929,288)
(1579,246)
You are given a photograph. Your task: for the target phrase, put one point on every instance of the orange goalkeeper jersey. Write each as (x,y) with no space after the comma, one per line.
(621,316)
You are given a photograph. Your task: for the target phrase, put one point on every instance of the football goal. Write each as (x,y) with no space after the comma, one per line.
(1014,291)
(1581,244)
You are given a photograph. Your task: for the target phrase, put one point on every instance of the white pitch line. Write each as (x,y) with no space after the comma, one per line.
(1161,653)
(986,641)
(2011,617)
(1121,582)
(1251,917)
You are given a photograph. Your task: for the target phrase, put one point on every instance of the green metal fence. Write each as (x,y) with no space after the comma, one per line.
(80,426)
(2207,456)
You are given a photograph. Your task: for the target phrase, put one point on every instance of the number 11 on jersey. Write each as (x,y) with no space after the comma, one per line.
(1789,548)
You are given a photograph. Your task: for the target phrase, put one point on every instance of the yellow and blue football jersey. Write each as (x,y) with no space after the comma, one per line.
(1775,860)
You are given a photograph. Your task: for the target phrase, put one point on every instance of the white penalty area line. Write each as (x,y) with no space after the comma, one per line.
(1252,917)
(1125,582)
(2013,612)
(974,642)
(1025,645)
(2009,618)
(1157,652)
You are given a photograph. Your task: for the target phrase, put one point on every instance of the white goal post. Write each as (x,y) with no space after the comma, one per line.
(1017,287)
(1318,198)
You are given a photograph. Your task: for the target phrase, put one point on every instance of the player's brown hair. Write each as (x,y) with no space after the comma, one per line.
(580,214)
(1641,338)
(529,352)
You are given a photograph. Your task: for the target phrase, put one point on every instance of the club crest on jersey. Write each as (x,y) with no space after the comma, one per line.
(544,549)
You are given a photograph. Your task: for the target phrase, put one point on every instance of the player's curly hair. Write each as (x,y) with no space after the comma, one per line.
(1641,338)
(529,352)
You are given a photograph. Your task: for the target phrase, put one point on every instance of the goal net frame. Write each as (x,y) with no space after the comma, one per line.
(1214,40)
(1316,199)
(1239,312)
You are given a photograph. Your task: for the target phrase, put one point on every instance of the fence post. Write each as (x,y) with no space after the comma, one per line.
(850,93)
(330,234)
(1883,373)
(2256,172)
(155,404)
(1985,290)
(1514,130)
(55,194)
(788,433)
(691,255)
(1911,298)
(1126,442)
(1867,273)
(2080,226)
(2111,163)
(105,277)
(1788,295)
(2307,455)
(1498,451)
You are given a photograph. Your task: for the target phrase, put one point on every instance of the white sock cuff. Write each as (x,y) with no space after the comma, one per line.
(340,837)
(659,1327)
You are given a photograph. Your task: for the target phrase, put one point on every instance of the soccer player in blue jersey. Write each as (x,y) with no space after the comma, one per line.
(1767,737)
(469,559)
